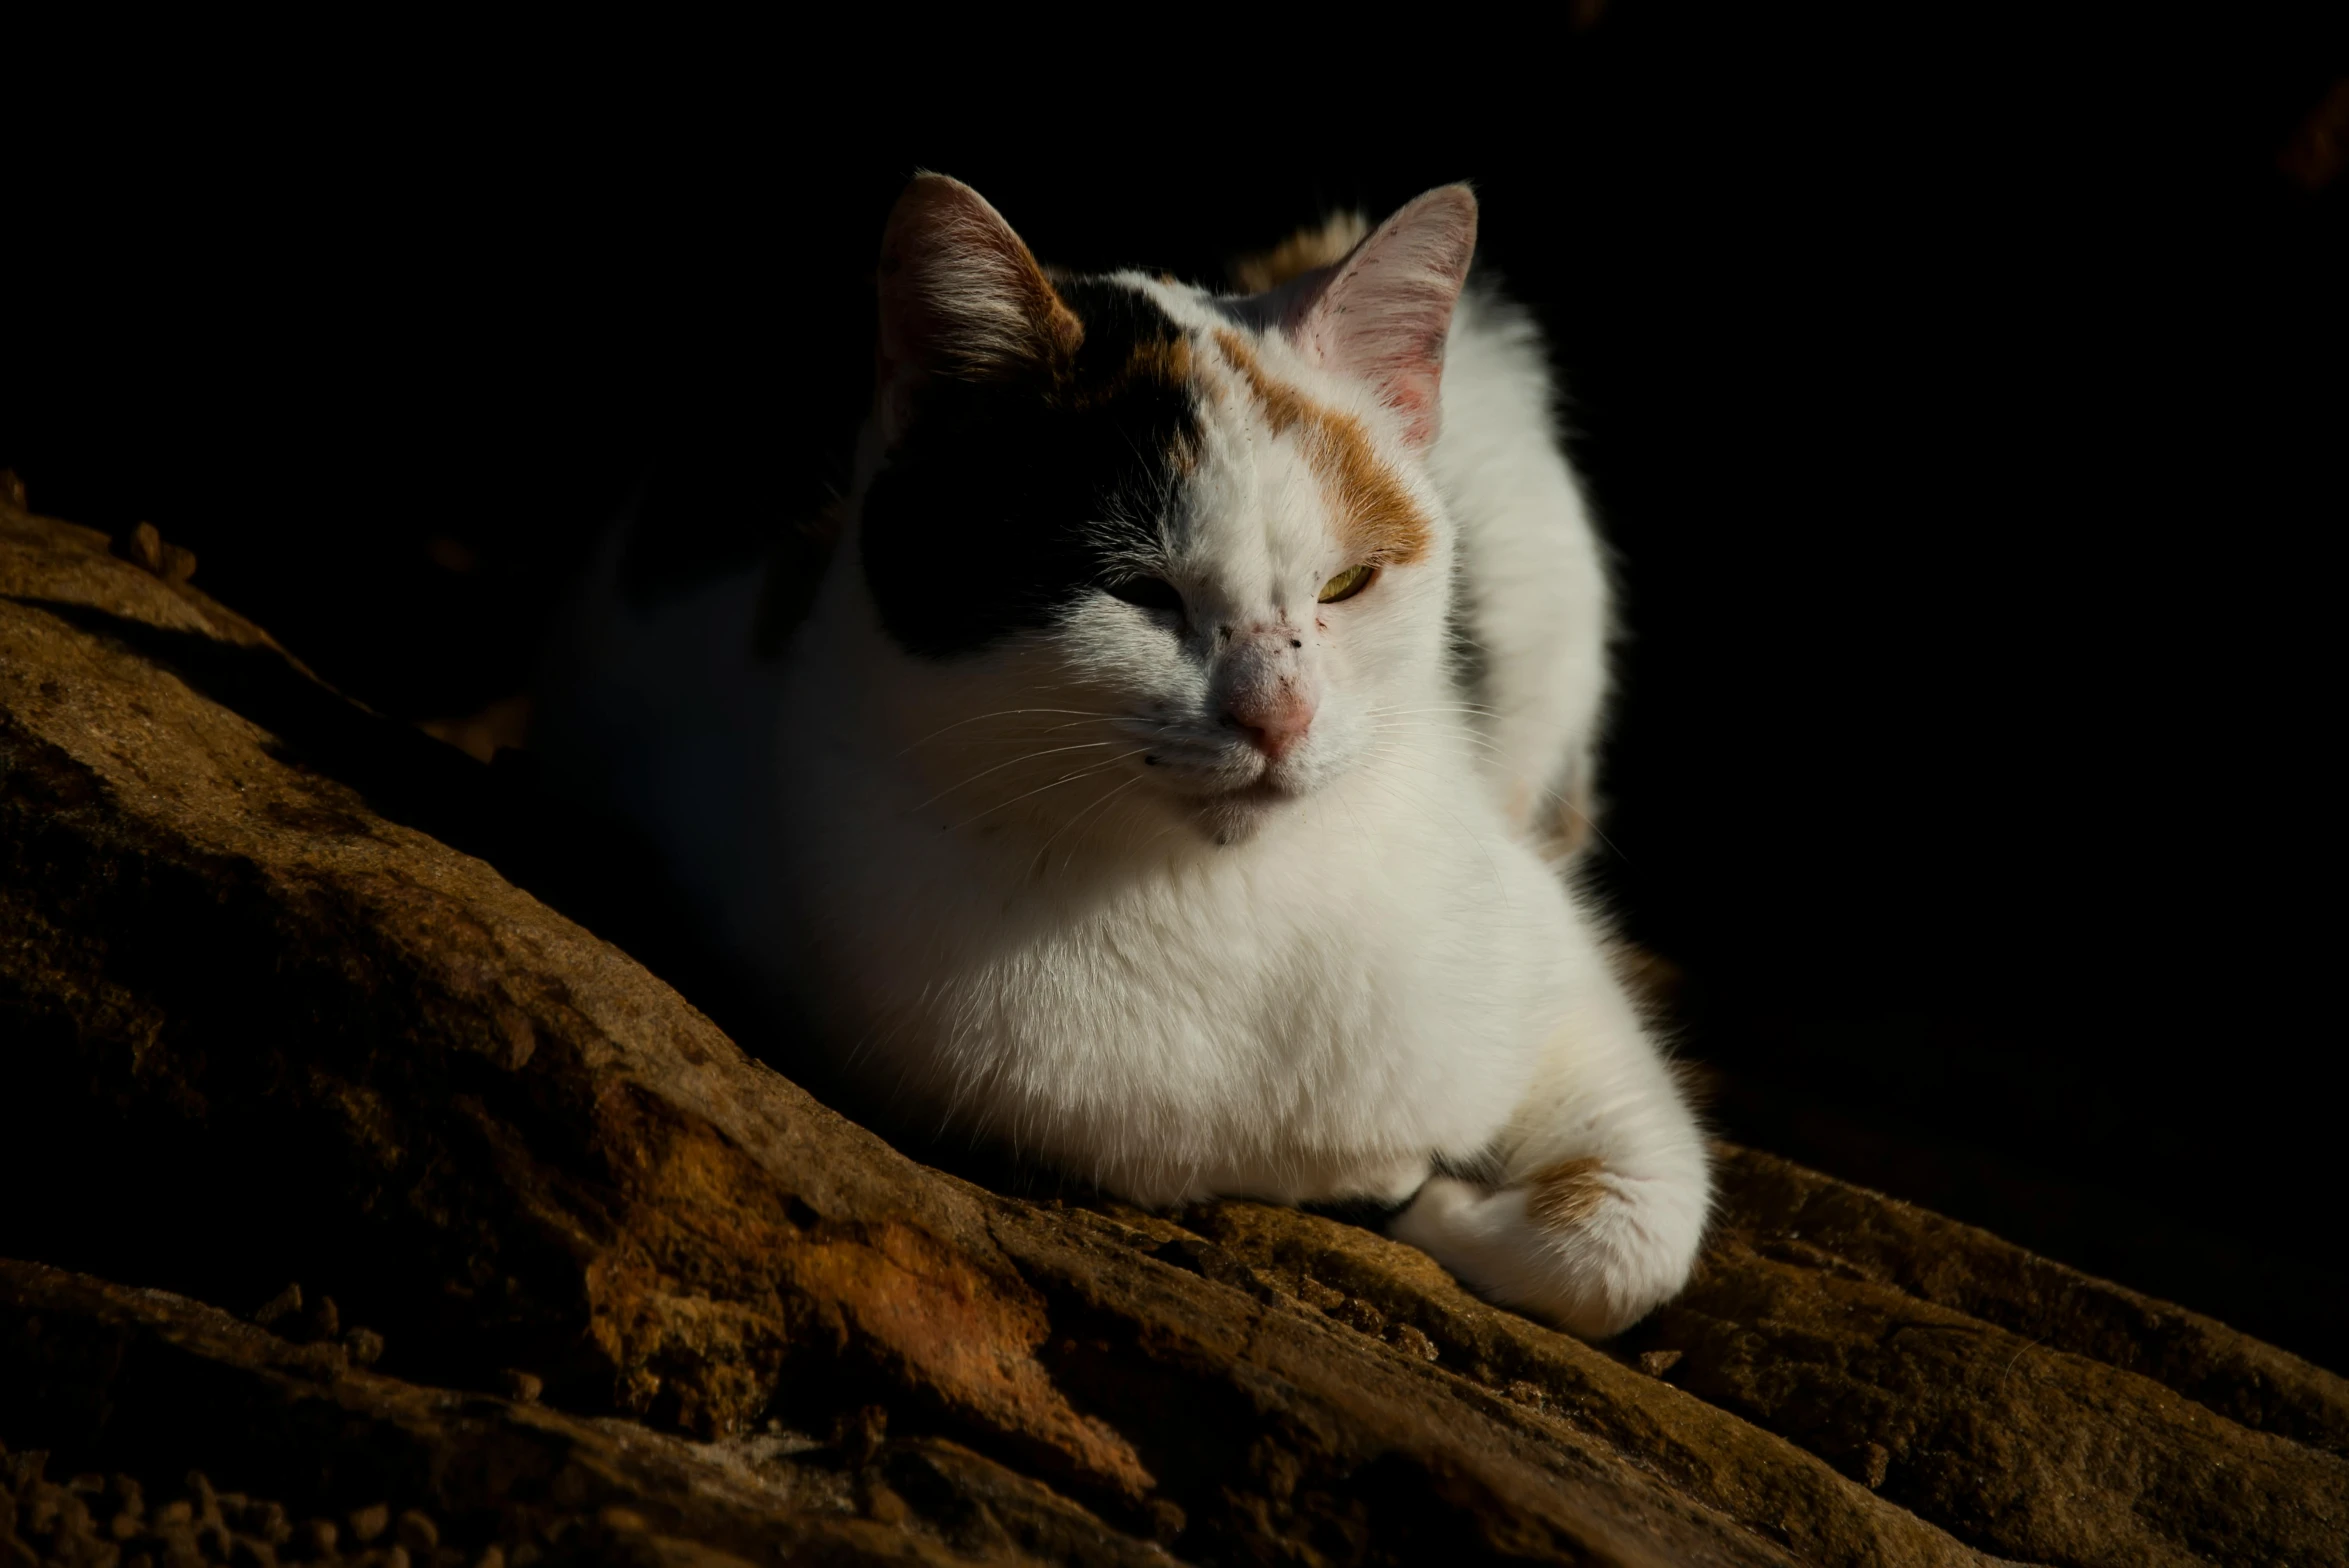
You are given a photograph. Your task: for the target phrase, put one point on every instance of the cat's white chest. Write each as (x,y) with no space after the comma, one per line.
(1274,1018)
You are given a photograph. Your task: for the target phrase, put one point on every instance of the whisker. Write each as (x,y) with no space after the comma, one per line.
(1105,798)
(1429,800)
(1006,713)
(1009,737)
(1050,751)
(1082,773)
(1383,709)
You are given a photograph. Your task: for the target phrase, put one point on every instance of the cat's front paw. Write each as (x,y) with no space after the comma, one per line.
(1581,1246)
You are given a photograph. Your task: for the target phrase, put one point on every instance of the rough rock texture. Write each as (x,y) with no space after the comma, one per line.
(261,1022)
(148,1378)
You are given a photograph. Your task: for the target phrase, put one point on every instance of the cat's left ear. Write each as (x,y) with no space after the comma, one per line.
(962,298)
(1384,311)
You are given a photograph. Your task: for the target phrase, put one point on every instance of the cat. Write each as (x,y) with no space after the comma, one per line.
(1176,774)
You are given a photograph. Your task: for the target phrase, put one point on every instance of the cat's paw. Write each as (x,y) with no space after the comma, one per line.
(1391,1184)
(1444,1206)
(1578,1245)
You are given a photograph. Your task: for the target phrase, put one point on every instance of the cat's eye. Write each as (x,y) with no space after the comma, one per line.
(1151,593)
(1348,583)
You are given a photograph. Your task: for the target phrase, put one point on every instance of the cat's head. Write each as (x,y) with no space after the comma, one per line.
(1143,542)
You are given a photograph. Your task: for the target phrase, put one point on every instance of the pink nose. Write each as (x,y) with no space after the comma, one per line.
(1273,727)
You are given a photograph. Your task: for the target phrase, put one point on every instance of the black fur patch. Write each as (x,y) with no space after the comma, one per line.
(1007,498)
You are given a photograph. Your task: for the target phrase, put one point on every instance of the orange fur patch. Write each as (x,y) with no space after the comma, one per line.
(1154,362)
(1565,1194)
(1567,829)
(1300,253)
(1166,361)
(1375,513)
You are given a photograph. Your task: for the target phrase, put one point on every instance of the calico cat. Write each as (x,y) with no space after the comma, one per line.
(1174,775)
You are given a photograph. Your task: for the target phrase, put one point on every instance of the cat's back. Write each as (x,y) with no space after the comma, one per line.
(1533,613)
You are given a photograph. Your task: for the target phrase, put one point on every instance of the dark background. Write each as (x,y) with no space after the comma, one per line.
(1967,411)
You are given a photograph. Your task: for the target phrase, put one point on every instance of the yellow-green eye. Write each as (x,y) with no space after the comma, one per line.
(1348,583)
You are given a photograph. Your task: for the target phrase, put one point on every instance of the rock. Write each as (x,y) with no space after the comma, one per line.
(143,548)
(149,1374)
(279,1308)
(325,1321)
(146,548)
(416,1531)
(2014,1436)
(254,943)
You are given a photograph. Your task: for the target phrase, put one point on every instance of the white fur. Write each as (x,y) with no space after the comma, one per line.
(1211,974)
(1536,580)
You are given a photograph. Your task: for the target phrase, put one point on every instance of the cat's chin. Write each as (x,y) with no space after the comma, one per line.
(1235,816)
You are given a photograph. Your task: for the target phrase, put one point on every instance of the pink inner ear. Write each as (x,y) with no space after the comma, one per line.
(1384,312)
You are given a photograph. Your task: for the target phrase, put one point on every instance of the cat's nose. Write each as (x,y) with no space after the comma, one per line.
(1275,724)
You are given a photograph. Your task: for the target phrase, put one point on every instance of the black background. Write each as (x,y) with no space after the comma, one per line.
(1967,411)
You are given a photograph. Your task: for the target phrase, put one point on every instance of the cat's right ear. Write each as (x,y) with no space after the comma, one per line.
(1384,311)
(962,299)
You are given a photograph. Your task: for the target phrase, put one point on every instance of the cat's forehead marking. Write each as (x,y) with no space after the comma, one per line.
(1145,355)
(1376,516)
(1012,495)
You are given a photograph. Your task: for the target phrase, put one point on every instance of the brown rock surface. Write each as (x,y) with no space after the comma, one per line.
(261,1022)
